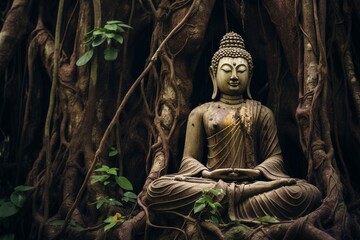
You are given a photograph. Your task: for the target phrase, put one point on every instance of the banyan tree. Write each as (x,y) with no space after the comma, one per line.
(95,97)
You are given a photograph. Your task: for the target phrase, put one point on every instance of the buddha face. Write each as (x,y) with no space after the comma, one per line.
(232,76)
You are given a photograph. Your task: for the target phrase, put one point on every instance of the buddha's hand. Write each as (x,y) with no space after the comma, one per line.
(220,173)
(265,186)
(206,174)
(284,182)
(231,173)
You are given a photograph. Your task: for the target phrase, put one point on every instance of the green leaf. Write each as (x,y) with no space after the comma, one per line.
(100,203)
(200,200)
(23,188)
(199,207)
(113,152)
(75,226)
(98,40)
(216,192)
(103,168)
(208,199)
(113,202)
(268,219)
(129,197)
(88,34)
(119,29)
(112,171)
(212,205)
(110,53)
(110,219)
(85,58)
(110,225)
(18,198)
(10,236)
(214,220)
(124,25)
(110,35)
(217,205)
(119,38)
(124,183)
(88,40)
(113,220)
(114,22)
(8,209)
(99,178)
(111,27)
(99,31)
(57,222)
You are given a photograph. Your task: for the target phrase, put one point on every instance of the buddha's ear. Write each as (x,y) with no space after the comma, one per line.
(213,79)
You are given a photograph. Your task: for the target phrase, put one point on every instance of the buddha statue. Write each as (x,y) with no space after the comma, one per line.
(243,153)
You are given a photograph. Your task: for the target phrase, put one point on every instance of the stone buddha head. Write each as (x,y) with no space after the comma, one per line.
(231,67)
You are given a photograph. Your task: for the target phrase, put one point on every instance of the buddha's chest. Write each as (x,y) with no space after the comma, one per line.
(218,119)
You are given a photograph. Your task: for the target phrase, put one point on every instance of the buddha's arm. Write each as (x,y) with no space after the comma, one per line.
(194,144)
(269,149)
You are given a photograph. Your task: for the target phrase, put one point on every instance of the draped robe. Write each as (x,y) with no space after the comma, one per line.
(243,136)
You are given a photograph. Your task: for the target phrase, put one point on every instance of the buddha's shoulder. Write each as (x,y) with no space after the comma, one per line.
(257,104)
(201,109)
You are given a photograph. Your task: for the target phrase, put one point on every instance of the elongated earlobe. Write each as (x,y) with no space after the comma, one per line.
(213,79)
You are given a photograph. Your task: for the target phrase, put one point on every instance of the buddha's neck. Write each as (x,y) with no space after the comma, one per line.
(232,100)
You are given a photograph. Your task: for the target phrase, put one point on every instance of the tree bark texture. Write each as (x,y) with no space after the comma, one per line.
(58,120)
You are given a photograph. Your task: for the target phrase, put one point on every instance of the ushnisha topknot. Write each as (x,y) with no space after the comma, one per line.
(231,45)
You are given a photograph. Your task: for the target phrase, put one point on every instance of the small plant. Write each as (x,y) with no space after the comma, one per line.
(267,219)
(113,152)
(10,206)
(111,201)
(112,32)
(109,177)
(205,204)
(113,220)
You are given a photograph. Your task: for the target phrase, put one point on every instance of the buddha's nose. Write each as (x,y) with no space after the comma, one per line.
(234,75)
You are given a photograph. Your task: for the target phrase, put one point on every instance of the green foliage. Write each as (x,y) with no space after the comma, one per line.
(108,200)
(113,152)
(205,204)
(111,33)
(109,176)
(124,183)
(23,188)
(108,170)
(85,58)
(8,209)
(129,197)
(11,206)
(113,220)
(268,219)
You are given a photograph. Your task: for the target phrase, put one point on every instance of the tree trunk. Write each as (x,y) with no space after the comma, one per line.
(59,122)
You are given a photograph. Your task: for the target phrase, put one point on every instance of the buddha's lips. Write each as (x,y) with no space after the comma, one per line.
(234,84)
